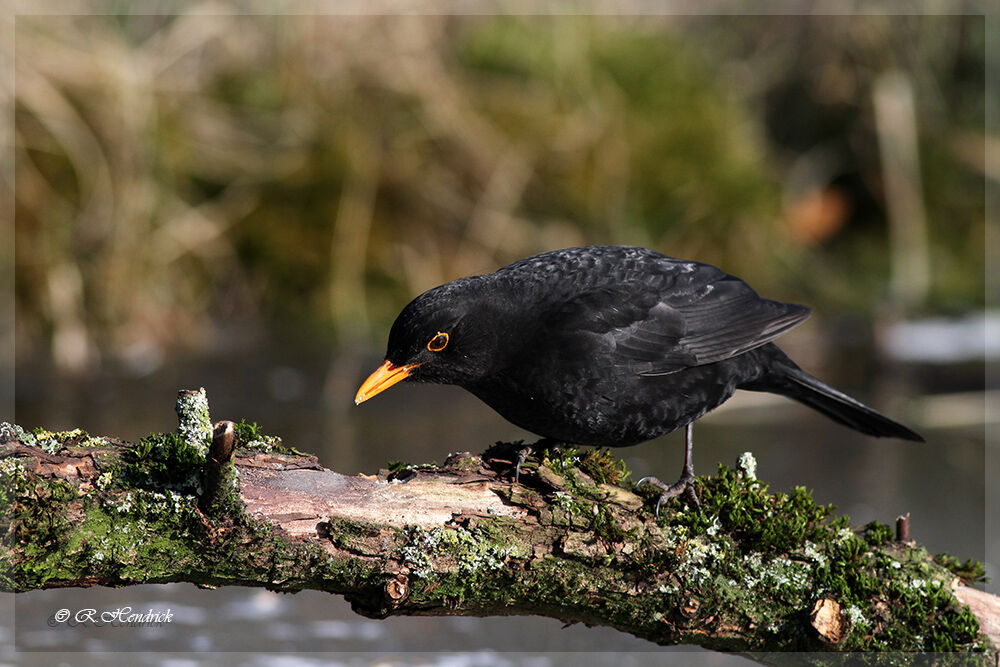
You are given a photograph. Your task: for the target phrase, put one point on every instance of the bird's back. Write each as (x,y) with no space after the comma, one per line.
(563,273)
(624,344)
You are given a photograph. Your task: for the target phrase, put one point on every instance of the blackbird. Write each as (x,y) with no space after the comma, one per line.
(608,346)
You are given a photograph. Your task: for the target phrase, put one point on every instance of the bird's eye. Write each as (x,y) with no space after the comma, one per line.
(438,343)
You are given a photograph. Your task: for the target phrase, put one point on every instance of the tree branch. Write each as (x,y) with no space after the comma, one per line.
(752,571)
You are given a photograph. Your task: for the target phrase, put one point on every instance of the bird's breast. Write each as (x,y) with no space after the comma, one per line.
(605,406)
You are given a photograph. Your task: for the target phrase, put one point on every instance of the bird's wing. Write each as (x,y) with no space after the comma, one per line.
(657,332)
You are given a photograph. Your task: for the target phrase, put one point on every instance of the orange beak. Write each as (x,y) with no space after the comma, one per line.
(384,377)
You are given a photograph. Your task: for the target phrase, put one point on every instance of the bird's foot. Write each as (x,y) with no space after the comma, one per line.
(685,486)
(527,450)
(522,456)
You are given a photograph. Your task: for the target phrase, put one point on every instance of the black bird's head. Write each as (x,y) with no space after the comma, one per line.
(447,335)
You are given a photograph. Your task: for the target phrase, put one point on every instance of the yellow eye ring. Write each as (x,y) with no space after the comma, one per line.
(438,343)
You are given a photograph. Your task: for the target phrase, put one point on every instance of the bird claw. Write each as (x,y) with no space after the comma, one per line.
(652,481)
(685,485)
(522,456)
(526,451)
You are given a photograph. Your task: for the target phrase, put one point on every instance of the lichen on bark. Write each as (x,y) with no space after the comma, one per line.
(751,571)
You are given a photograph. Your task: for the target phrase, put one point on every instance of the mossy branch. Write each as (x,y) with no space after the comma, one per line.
(751,571)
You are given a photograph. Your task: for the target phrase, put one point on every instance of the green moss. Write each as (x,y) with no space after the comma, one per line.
(562,460)
(750,560)
(801,552)
(756,519)
(396,467)
(608,526)
(165,461)
(762,559)
(148,535)
(604,467)
(140,521)
(37,521)
(357,536)
(463,462)
(14,481)
(135,536)
(401,470)
(877,534)
(971,571)
(141,536)
(250,435)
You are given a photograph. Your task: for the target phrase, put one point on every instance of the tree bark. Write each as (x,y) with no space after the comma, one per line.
(750,571)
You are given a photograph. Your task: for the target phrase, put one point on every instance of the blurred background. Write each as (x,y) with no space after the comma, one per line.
(245,203)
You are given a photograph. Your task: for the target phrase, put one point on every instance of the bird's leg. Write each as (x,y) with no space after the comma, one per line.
(522,456)
(526,451)
(683,485)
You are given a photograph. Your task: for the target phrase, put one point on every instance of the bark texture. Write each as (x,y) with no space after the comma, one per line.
(752,571)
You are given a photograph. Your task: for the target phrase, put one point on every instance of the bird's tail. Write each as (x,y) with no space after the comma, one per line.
(787,379)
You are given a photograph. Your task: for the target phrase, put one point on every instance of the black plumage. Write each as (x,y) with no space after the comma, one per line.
(608,346)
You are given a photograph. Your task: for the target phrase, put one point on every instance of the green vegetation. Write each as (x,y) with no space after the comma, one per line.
(140,523)
(322,193)
(758,520)
(749,558)
(396,467)
(478,555)
(971,571)
(790,544)
(53,441)
(194,421)
(741,573)
(603,466)
(250,436)
(165,461)
(876,534)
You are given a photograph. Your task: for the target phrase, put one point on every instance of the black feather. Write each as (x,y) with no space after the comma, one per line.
(612,345)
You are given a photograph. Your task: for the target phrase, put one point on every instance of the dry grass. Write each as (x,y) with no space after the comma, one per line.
(181,178)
